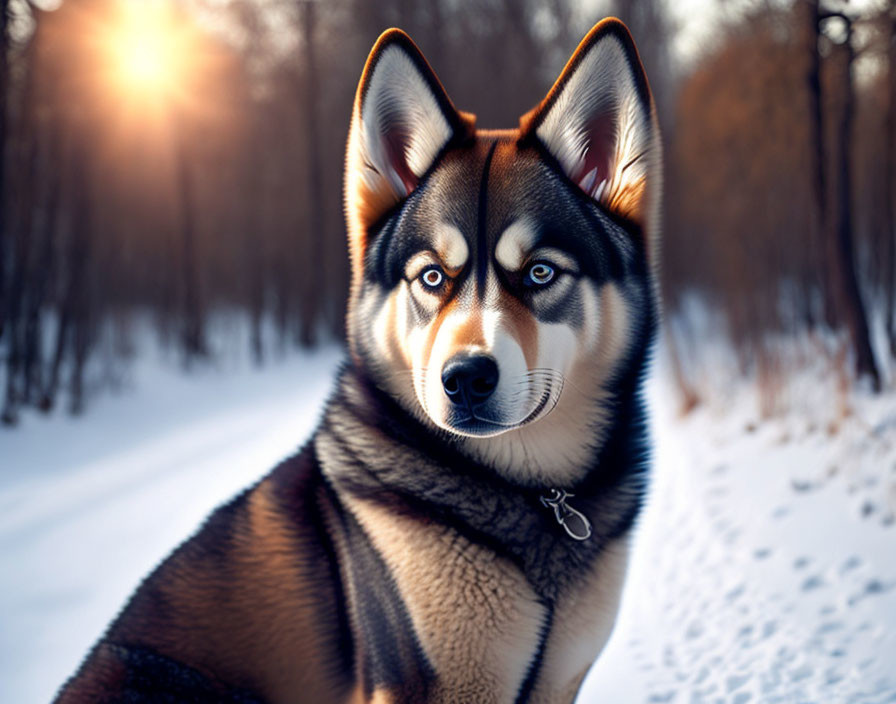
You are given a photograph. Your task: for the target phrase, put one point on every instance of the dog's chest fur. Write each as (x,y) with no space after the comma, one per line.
(479,622)
(499,603)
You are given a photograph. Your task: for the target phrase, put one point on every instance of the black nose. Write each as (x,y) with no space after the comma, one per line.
(469,379)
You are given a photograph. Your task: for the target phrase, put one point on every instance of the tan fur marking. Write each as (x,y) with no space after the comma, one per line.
(383,696)
(469,333)
(417,264)
(628,200)
(434,326)
(514,244)
(451,248)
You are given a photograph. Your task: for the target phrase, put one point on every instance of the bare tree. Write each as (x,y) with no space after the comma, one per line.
(4,91)
(314,214)
(889,239)
(192,321)
(840,240)
(818,165)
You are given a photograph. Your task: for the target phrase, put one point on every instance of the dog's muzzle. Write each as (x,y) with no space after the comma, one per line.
(469,380)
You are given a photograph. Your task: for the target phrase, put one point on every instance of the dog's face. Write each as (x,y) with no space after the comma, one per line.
(501,276)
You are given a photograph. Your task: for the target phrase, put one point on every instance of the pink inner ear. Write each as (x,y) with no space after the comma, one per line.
(597,165)
(395,142)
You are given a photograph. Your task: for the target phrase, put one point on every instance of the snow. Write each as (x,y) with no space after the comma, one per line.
(763,568)
(89,506)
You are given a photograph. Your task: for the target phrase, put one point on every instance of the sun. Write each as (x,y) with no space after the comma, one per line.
(144,61)
(148,50)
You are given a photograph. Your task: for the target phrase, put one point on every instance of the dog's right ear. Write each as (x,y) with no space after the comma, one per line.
(401,122)
(599,123)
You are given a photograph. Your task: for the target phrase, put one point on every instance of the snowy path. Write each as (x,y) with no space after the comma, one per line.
(89,507)
(765,567)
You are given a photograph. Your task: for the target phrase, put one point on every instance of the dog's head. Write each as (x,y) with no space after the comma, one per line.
(501,278)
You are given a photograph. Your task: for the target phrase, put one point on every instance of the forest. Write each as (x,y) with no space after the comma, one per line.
(172,163)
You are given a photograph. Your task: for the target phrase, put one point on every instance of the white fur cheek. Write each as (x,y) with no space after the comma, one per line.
(380,331)
(415,344)
(615,326)
(401,315)
(557,345)
(591,326)
(390,324)
(509,396)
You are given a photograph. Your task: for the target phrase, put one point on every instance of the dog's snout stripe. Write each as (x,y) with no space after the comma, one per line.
(482,254)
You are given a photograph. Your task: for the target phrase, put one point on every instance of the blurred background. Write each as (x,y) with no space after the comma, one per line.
(175,163)
(174,271)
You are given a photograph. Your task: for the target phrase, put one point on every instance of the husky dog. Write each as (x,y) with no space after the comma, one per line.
(457,528)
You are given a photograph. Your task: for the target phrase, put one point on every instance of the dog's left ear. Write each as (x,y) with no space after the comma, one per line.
(598,122)
(401,122)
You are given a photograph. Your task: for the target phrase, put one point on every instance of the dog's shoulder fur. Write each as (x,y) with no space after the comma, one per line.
(256,591)
(502,311)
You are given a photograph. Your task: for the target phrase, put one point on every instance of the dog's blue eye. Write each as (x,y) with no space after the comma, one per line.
(540,274)
(432,277)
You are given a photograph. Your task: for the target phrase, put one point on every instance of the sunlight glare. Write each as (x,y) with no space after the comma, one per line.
(149,50)
(144,61)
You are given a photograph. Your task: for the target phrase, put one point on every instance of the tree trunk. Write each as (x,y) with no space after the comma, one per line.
(78,299)
(313,294)
(817,159)
(192,330)
(889,253)
(21,219)
(35,386)
(850,297)
(4,92)
(254,243)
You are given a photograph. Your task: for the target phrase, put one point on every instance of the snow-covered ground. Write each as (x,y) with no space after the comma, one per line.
(88,506)
(765,565)
(764,569)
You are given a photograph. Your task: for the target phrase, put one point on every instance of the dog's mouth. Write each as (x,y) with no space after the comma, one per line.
(487,420)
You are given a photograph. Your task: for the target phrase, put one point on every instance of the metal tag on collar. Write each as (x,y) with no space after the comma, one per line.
(576,525)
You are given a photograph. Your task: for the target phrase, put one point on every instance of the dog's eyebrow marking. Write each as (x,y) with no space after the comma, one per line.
(557,256)
(514,244)
(417,264)
(451,246)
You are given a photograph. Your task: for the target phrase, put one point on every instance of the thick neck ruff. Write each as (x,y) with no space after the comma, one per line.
(373,449)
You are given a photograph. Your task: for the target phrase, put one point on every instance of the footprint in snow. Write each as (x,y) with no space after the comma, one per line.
(735,682)
(735,593)
(801,486)
(829,627)
(851,563)
(812,583)
(867,508)
(781,512)
(872,588)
